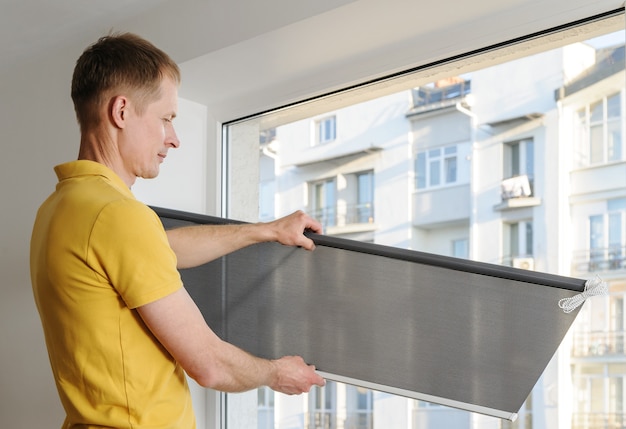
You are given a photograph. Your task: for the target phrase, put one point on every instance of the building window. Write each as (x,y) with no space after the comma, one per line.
(266,408)
(324,201)
(436,167)
(607,237)
(599,130)
(460,248)
(322,400)
(365,197)
(325,130)
(519,158)
(361,401)
(430,169)
(518,169)
(518,243)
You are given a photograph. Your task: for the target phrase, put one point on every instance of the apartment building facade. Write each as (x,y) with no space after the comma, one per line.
(520,164)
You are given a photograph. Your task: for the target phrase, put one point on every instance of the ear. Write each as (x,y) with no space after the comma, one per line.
(119,110)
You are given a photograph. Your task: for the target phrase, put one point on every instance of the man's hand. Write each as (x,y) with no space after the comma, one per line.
(289,230)
(294,376)
(198,244)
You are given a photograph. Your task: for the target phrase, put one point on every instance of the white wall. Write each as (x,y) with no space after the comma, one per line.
(39,131)
(182,180)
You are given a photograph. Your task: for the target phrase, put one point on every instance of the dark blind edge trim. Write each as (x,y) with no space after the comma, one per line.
(458,264)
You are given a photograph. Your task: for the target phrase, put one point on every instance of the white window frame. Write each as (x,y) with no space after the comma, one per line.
(225,204)
(325,130)
(586,125)
(435,167)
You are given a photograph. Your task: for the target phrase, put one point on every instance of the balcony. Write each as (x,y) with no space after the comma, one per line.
(344,215)
(321,420)
(594,344)
(599,260)
(439,207)
(598,420)
(517,192)
(432,98)
(525,262)
(362,419)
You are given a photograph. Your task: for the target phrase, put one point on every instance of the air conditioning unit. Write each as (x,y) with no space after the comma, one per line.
(524,263)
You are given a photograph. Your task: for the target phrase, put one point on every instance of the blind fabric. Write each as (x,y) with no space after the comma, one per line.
(460,333)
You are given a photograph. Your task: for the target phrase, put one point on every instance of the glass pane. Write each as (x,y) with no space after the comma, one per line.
(381,163)
(613,106)
(597,112)
(596,144)
(615,140)
(365,198)
(450,150)
(434,172)
(514,239)
(330,207)
(420,170)
(616,204)
(450,170)
(515,159)
(434,153)
(581,137)
(529,238)
(530,158)
(460,248)
(596,242)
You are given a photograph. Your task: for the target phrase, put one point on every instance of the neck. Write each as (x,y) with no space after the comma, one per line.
(102,147)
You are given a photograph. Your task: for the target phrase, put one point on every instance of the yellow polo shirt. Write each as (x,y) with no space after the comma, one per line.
(96,255)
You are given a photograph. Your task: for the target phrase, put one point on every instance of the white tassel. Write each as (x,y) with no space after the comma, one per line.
(593,287)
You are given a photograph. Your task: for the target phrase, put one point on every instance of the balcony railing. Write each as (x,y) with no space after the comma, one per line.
(347,215)
(591,344)
(598,420)
(599,259)
(359,420)
(424,96)
(322,420)
(329,420)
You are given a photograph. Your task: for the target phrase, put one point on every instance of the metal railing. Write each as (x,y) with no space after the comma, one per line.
(423,96)
(591,344)
(339,216)
(598,420)
(322,420)
(359,420)
(599,259)
(328,420)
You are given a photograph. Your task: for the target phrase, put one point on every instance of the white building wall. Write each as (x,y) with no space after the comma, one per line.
(382,148)
(524,86)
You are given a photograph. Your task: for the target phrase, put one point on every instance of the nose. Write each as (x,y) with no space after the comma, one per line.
(172,138)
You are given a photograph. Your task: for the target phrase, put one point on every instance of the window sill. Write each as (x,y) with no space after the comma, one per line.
(516,203)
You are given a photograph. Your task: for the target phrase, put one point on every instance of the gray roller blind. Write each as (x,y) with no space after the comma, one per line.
(465,334)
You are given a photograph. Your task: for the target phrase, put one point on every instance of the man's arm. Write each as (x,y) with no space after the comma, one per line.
(199,244)
(177,323)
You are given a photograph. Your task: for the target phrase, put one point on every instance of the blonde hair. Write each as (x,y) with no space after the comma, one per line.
(114,64)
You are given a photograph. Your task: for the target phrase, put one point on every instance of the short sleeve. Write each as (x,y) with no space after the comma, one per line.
(129,248)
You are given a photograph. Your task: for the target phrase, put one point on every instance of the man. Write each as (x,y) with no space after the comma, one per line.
(120,328)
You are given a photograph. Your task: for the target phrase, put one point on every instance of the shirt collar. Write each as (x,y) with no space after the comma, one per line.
(84,167)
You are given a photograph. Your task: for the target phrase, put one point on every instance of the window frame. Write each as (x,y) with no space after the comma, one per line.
(225,196)
(325,130)
(597,147)
(434,162)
